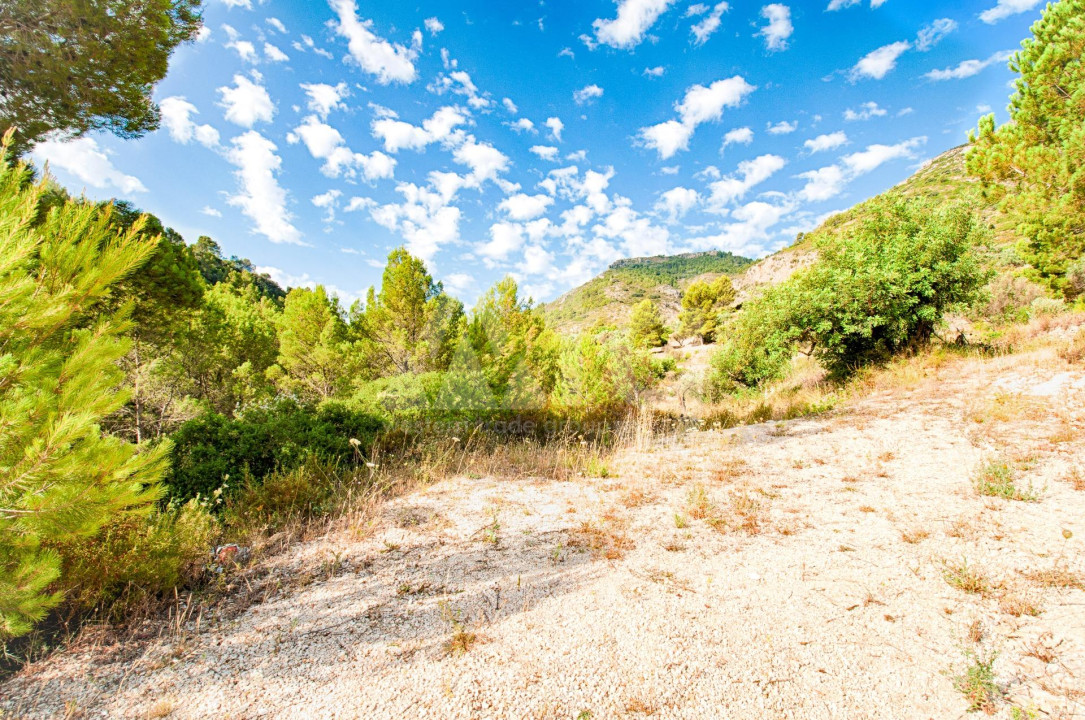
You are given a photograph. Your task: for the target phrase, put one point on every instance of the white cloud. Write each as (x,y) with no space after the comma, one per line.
(709,25)
(779,28)
(261,198)
(424,219)
(546,152)
(782,128)
(396,134)
(458,283)
(389,62)
(459,82)
(510,106)
(274,54)
(244,49)
(822,184)
(505,239)
(728,189)
(838,4)
(203,34)
(656,71)
(830,141)
(738,136)
(247,4)
(932,34)
(434,26)
(967,69)
(525,207)
(750,230)
(879,63)
(523,125)
(676,202)
(210,211)
(328,202)
(176,117)
(485,161)
(700,104)
(324,98)
(85,160)
(866,111)
(555,126)
(246,103)
(875,156)
(634,19)
(1006,8)
(828,182)
(276,23)
(587,94)
(326,143)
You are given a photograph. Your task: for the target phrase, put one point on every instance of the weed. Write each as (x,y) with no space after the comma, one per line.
(974,634)
(462,639)
(1018,604)
(1057,577)
(640,705)
(914,536)
(996,479)
(966,579)
(698,504)
(162,708)
(977,683)
(605,537)
(1044,648)
(1076,478)
(866,509)
(680,521)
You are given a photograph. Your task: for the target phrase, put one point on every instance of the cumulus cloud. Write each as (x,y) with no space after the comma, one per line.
(326,143)
(260,196)
(587,93)
(525,207)
(388,62)
(967,68)
(1006,8)
(879,63)
(782,128)
(734,187)
(701,104)
(434,26)
(676,202)
(828,182)
(276,23)
(779,28)
(709,24)
(634,18)
(246,103)
(274,54)
(656,71)
(424,219)
(830,141)
(397,134)
(324,98)
(459,82)
(555,125)
(932,34)
(546,152)
(85,160)
(866,111)
(738,136)
(177,118)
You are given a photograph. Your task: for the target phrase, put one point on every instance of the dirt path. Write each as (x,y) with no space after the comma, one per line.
(792,570)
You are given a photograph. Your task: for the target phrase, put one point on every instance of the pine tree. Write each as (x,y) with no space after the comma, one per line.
(314,348)
(60,477)
(1036,162)
(646,325)
(702,306)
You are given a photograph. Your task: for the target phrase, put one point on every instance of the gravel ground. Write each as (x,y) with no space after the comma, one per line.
(806,579)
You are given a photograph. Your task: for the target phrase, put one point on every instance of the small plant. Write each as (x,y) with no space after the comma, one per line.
(1057,577)
(977,683)
(997,479)
(1017,604)
(462,639)
(914,536)
(680,521)
(966,579)
(698,504)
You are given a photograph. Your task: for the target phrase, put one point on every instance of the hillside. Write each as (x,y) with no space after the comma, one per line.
(609,297)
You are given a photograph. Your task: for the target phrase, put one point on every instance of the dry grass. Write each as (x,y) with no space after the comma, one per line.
(967,578)
(915,535)
(1043,648)
(606,537)
(1057,577)
(160,709)
(1076,477)
(1018,604)
(998,479)
(1074,351)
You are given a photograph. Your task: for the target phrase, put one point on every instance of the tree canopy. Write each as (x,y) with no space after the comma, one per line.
(1036,162)
(71,66)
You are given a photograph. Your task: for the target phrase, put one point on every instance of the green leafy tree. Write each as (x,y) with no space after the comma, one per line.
(646,325)
(60,477)
(1036,162)
(411,325)
(315,352)
(71,66)
(514,349)
(601,376)
(216,269)
(703,304)
(879,287)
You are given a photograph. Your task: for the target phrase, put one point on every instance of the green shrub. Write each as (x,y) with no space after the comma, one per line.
(301,493)
(135,559)
(400,399)
(660,366)
(600,376)
(211,450)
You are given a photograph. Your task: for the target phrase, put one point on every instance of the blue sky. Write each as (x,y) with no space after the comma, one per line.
(543,139)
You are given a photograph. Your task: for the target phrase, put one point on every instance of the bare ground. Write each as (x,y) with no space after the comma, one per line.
(790,570)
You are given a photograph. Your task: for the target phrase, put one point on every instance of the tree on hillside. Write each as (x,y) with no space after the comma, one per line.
(60,477)
(71,66)
(315,353)
(703,304)
(1040,153)
(514,349)
(239,272)
(411,325)
(646,325)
